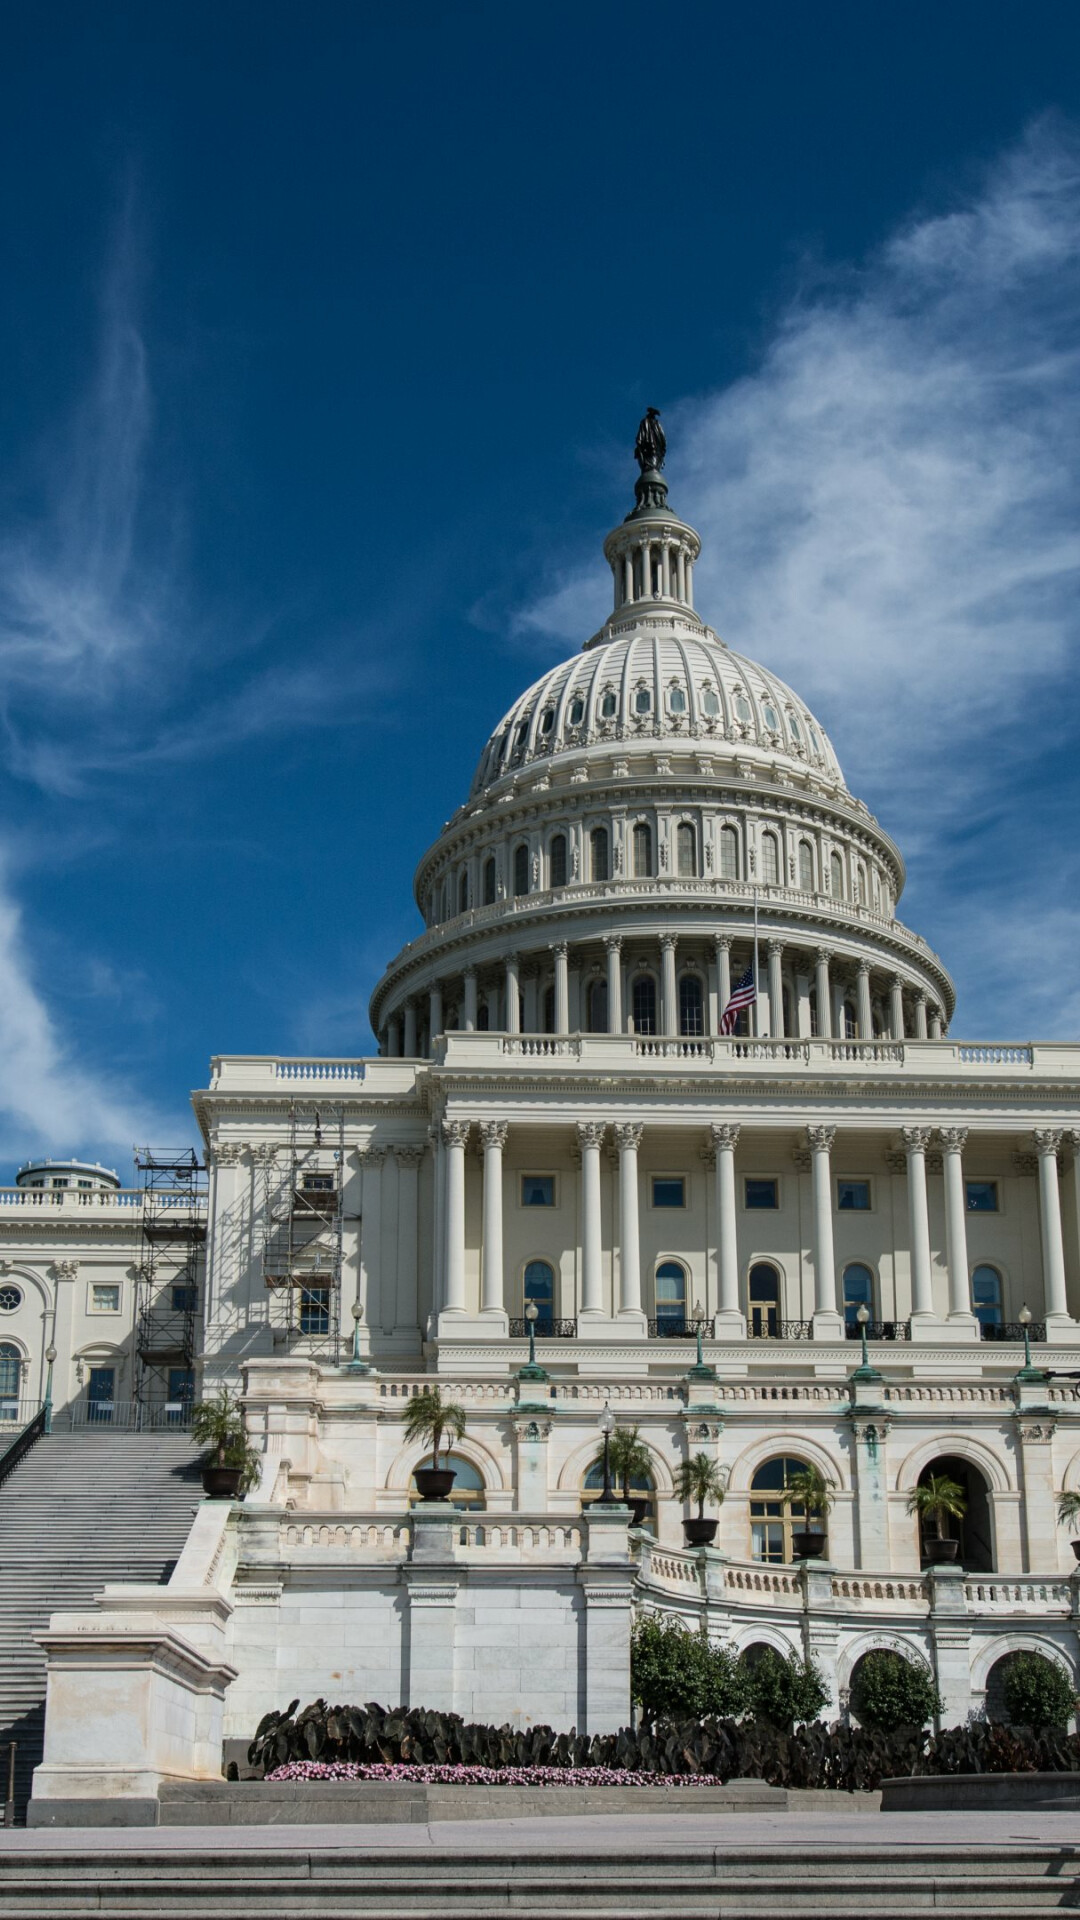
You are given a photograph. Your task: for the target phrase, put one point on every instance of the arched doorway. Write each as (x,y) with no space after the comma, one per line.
(975,1531)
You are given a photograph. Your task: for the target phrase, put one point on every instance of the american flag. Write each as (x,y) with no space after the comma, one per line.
(743,994)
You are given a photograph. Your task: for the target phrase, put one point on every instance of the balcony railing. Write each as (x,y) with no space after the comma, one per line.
(778,1329)
(881,1330)
(124,1416)
(544,1329)
(679,1329)
(1013,1330)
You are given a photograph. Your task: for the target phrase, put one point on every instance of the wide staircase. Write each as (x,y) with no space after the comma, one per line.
(79,1510)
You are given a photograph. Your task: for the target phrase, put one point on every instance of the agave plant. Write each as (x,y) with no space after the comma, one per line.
(936,1500)
(428,1417)
(700,1479)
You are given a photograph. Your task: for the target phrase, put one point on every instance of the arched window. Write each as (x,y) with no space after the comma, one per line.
(973,1530)
(642,851)
(686,850)
(10,1374)
(806,866)
(771,1517)
(607,706)
(836,877)
(670,1288)
(641,1489)
(764,1302)
(986,1296)
(577,710)
(598,1007)
(710,703)
(521,869)
(468,1487)
(676,700)
(489,882)
(538,1289)
(691,1019)
(463,891)
(729,853)
(858,1292)
(644,1004)
(643,700)
(547,720)
(599,862)
(557,860)
(770,859)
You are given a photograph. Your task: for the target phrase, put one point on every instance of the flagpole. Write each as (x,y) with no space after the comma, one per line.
(757,1016)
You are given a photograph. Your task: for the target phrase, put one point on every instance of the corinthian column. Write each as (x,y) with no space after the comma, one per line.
(590,1135)
(1055,1305)
(613,950)
(862,1001)
(953,1141)
(493,1139)
(824,992)
(669,997)
(455,1139)
(776,989)
(628,1140)
(828,1319)
(916,1140)
(562,987)
(730,1320)
(896,1007)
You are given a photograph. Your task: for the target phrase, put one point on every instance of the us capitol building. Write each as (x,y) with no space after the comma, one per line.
(834,1236)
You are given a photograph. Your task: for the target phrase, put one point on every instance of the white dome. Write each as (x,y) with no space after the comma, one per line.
(672,682)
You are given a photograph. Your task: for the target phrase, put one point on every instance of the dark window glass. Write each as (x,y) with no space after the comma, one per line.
(558,860)
(642,851)
(853,1196)
(539,1290)
(538,1189)
(858,1292)
(645,1005)
(982,1196)
(185,1298)
(463,893)
(489,883)
(668,1192)
(986,1296)
(598,845)
(607,707)
(314,1310)
(521,869)
(691,1017)
(671,1291)
(577,711)
(761,1194)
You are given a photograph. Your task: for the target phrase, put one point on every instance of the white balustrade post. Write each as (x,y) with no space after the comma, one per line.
(562,988)
(590,1135)
(1056,1306)
(730,1320)
(669,996)
(953,1140)
(493,1139)
(828,1319)
(455,1139)
(824,992)
(916,1140)
(628,1139)
(613,950)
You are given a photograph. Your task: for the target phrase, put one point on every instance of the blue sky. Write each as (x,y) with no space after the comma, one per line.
(324,336)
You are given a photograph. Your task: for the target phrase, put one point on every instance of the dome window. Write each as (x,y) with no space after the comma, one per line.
(691,1009)
(523,732)
(547,720)
(686,851)
(463,891)
(577,710)
(806,866)
(710,703)
(643,700)
(815,743)
(796,732)
(557,861)
(521,869)
(599,861)
(677,700)
(644,1005)
(489,881)
(729,853)
(607,706)
(836,876)
(770,859)
(771,720)
(643,861)
(743,708)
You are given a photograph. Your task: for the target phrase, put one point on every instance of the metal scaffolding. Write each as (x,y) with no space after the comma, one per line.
(303,1249)
(172,1236)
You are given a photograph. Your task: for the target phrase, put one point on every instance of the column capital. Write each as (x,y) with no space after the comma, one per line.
(627,1134)
(723,943)
(468,973)
(820,1139)
(512,960)
(916,1139)
(668,942)
(456,1133)
(560,949)
(824,956)
(1048,1139)
(952,1139)
(725,1135)
(493,1133)
(863,966)
(371,1156)
(408,1156)
(590,1133)
(921,997)
(774,948)
(613,942)
(896,982)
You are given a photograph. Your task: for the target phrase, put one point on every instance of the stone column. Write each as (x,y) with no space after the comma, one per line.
(368,1292)
(493,1138)
(455,1135)
(562,988)
(590,1135)
(824,992)
(953,1140)
(410,1030)
(665,569)
(469,1011)
(896,1007)
(530,978)
(776,989)
(730,1320)
(628,1139)
(393,1037)
(669,995)
(951,1638)
(438,1249)
(920,1017)
(607,1582)
(935,1024)
(403,1311)
(612,950)
(828,1319)
(862,1002)
(723,976)
(916,1140)
(435,1013)
(1055,1305)
(513,995)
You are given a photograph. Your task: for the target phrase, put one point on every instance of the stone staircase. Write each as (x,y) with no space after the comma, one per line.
(81,1509)
(339,1878)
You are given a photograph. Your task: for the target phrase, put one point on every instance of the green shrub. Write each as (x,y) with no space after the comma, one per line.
(890,1691)
(782,1690)
(1037,1693)
(675,1673)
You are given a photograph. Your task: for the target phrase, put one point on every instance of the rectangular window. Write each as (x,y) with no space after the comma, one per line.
(982,1196)
(60,1183)
(85,1183)
(105,1299)
(853,1196)
(181,1387)
(538,1189)
(318,1182)
(762,1194)
(668,1191)
(185,1298)
(314,1310)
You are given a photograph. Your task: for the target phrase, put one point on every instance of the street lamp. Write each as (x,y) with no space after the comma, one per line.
(357,1364)
(532,1315)
(607,1428)
(50,1356)
(1024,1317)
(862,1316)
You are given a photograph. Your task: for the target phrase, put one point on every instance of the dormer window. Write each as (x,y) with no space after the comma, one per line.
(607,706)
(771,720)
(643,700)
(547,720)
(742,708)
(794,725)
(677,700)
(577,711)
(522,733)
(710,704)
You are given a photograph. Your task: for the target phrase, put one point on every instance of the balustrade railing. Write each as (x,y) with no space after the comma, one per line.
(544,1329)
(680,1329)
(770,1329)
(1013,1330)
(881,1330)
(124,1416)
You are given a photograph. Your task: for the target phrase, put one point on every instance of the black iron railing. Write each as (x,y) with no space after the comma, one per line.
(679,1329)
(1013,1330)
(125,1416)
(544,1329)
(21,1444)
(880,1330)
(779,1329)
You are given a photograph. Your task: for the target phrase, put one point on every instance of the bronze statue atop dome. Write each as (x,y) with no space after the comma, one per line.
(650,445)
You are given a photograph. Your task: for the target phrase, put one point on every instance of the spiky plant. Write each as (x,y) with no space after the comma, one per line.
(700,1479)
(428,1417)
(936,1500)
(811,1490)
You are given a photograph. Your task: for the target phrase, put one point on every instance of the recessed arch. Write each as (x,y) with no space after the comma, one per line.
(761,1635)
(998,1646)
(402,1467)
(874,1640)
(960,1446)
(577,1465)
(806,1446)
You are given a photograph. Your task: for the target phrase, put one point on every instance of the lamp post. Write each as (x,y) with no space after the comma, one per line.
(864,1374)
(862,1316)
(532,1315)
(607,1428)
(50,1356)
(357,1364)
(1027,1371)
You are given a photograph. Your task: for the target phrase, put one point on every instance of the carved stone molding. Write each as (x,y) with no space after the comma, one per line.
(895,1160)
(590,1133)
(64,1269)
(409,1156)
(1047,1139)
(227,1153)
(456,1133)
(371,1157)
(916,1139)
(953,1139)
(493,1133)
(802,1159)
(628,1134)
(820,1139)
(725,1135)
(1025,1164)
(1036,1432)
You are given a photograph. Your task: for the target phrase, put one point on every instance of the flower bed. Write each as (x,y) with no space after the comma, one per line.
(436,1776)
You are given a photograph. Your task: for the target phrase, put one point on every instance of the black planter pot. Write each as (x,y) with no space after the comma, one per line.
(222,1483)
(808,1545)
(639,1511)
(700,1533)
(434,1483)
(1075,1545)
(940,1553)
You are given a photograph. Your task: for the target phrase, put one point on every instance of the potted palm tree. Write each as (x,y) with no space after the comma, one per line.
(230,1466)
(630,1460)
(428,1417)
(936,1500)
(811,1490)
(700,1479)
(1068,1513)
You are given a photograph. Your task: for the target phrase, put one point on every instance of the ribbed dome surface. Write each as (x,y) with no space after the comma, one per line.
(677,684)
